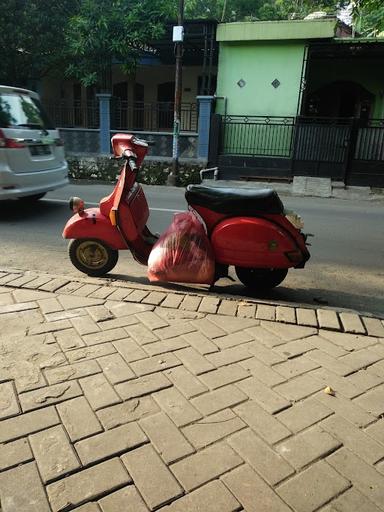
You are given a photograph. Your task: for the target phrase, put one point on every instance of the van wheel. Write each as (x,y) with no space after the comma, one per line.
(261,278)
(92,257)
(32,199)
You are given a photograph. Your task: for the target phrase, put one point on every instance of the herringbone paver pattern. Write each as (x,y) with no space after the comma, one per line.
(114,399)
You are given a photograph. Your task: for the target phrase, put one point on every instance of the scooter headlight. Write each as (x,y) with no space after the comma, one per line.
(76,204)
(294,219)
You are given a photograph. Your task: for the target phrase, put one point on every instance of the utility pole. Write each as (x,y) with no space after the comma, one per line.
(178,36)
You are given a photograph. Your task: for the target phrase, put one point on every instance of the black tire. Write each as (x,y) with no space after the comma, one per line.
(261,278)
(92,257)
(33,198)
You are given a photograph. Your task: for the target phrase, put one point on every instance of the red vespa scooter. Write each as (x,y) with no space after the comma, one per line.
(247,228)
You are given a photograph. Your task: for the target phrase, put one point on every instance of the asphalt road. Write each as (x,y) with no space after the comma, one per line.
(346,268)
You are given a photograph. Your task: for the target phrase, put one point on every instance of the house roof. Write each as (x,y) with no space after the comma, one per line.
(348,47)
(323,28)
(359,40)
(199,39)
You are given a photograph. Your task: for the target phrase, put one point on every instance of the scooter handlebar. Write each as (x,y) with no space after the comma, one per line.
(143,141)
(127,154)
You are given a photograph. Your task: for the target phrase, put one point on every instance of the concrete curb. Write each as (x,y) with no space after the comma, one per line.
(304,186)
(205,302)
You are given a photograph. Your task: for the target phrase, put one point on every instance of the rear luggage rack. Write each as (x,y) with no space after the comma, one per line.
(215,171)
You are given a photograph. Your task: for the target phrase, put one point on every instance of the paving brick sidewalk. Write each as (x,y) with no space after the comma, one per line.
(118,399)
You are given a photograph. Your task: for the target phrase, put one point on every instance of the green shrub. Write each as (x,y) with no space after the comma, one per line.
(98,169)
(151,173)
(189,175)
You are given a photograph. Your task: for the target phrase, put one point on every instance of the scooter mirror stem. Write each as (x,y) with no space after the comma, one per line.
(132,164)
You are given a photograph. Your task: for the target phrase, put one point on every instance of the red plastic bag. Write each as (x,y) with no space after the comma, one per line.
(183,253)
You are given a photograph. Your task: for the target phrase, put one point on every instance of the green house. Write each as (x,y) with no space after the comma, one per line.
(299,97)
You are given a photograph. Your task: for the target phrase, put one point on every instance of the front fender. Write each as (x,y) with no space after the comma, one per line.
(93,224)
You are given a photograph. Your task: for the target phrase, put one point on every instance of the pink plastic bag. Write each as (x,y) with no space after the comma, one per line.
(183,253)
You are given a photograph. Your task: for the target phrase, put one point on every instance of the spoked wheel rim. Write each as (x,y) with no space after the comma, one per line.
(92,255)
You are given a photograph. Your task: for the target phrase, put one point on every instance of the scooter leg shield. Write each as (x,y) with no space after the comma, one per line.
(92,224)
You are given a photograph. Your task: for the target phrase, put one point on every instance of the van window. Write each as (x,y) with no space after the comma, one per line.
(21,110)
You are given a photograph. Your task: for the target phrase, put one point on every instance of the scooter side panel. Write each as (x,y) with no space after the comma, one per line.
(251,242)
(92,224)
(287,226)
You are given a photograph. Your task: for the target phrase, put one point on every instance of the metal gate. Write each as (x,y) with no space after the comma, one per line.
(343,149)
(366,165)
(321,147)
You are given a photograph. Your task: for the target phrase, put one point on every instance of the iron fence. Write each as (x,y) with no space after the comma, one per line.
(302,138)
(74,114)
(344,149)
(370,141)
(269,136)
(154,117)
(138,116)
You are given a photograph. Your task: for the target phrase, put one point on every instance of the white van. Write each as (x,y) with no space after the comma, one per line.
(32,160)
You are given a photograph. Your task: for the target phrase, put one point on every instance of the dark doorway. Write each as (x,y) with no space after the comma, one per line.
(165,98)
(90,93)
(336,123)
(120,90)
(91,111)
(119,106)
(138,107)
(340,99)
(77,114)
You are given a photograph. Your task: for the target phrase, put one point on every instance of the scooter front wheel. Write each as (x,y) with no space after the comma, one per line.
(91,256)
(261,278)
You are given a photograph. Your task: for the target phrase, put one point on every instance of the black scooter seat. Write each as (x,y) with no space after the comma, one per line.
(241,201)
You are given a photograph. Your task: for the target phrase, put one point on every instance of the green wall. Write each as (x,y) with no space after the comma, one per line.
(258,64)
(368,72)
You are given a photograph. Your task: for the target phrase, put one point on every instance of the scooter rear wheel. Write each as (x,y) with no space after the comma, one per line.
(91,256)
(261,278)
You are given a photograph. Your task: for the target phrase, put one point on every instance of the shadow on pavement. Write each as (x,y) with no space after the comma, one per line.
(315,297)
(19,211)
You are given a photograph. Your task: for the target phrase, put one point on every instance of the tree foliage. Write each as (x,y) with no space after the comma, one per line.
(107,31)
(78,37)
(368,17)
(239,10)
(31,38)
